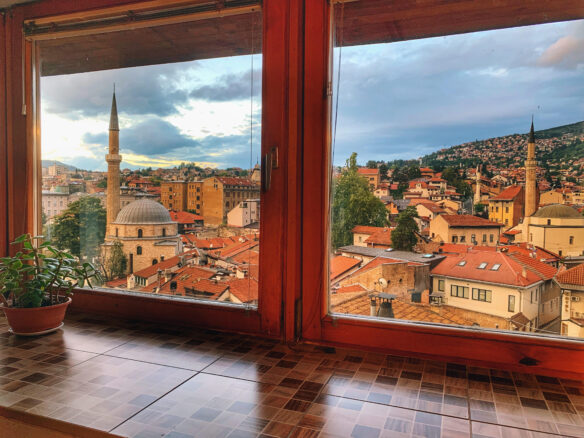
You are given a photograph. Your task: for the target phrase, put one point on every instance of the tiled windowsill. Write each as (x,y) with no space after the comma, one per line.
(146,380)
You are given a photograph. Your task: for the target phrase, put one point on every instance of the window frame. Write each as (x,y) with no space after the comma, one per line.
(22,100)
(497,348)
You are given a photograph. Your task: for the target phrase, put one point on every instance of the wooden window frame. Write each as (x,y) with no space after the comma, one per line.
(20,145)
(485,347)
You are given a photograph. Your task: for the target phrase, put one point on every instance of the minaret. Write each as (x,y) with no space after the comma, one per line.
(530,186)
(477,196)
(113,160)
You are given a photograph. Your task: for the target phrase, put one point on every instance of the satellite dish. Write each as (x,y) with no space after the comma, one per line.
(382,281)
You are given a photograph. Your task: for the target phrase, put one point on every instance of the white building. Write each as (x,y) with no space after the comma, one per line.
(245,214)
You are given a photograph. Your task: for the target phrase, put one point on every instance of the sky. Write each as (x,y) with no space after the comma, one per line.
(397,100)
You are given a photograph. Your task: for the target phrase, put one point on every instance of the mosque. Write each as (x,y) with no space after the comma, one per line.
(144,227)
(555,227)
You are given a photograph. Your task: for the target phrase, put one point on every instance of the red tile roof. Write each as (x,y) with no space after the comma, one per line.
(367,171)
(350,289)
(342,264)
(467,220)
(244,289)
(509,194)
(165,264)
(365,229)
(232,181)
(574,276)
(378,261)
(381,237)
(515,269)
(236,248)
(247,257)
(184,217)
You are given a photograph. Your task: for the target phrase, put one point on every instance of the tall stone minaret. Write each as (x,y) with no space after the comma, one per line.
(477,196)
(113,160)
(530,184)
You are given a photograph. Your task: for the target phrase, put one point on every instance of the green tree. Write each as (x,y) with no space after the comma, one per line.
(117,262)
(353,204)
(414,172)
(371,164)
(383,171)
(102,184)
(81,228)
(404,236)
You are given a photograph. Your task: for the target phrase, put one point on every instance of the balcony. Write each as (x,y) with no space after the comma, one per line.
(136,379)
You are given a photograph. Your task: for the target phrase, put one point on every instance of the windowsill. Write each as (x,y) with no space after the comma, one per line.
(168,310)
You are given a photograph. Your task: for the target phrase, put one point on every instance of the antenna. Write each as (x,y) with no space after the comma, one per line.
(114,88)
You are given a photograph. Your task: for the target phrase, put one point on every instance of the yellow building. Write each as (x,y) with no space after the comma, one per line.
(222,194)
(498,290)
(507,207)
(555,196)
(371,175)
(556,228)
(195,197)
(173,195)
(464,228)
(572,307)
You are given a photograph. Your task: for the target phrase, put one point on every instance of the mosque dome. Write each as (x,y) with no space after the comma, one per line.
(143,211)
(556,211)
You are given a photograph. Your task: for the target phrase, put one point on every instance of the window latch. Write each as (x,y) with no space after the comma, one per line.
(269,162)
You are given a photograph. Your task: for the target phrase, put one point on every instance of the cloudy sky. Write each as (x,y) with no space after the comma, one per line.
(400,100)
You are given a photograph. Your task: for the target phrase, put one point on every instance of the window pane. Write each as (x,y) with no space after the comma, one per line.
(441,185)
(150,154)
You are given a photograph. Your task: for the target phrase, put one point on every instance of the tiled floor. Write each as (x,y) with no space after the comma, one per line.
(141,380)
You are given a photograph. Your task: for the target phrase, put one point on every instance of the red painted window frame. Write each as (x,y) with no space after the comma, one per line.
(17,212)
(554,356)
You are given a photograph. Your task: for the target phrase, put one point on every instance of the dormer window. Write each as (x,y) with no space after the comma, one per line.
(495,267)
(462,263)
(483,265)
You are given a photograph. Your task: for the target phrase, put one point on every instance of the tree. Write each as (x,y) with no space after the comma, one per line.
(480,210)
(404,236)
(353,204)
(383,171)
(81,228)
(414,172)
(117,262)
(371,164)
(102,184)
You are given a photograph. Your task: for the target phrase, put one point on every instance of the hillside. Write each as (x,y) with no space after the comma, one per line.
(560,147)
(47,163)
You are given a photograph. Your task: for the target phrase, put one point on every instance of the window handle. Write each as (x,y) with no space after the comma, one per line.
(269,162)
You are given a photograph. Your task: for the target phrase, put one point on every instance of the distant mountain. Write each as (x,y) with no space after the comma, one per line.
(47,163)
(557,147)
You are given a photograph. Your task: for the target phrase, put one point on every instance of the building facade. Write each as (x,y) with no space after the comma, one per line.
(464,228)
(195,197)
(508,206)
(173,195)
(222,194)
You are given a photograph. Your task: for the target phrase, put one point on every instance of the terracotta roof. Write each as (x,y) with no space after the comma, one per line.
(210,287)
(117,282)
(236,248)
(467,220)
(460,248)
(514,269)
(413,184)
(367,171)
(512,232)
(509,194)
(232,181)
(381,237)
(519,319)
(365,229)
(247,257)
(342,264)
(184,217)
(573,276)
(165,264)
(351,289)
(359,303)
(432,206)
(245,289)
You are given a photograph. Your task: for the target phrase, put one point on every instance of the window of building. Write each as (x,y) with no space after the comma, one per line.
(462,263)
(511,303)
(138,250)
(441,285)
(484,238)
(459,291)
(462,239)
(571,240)
(164,232)
(506,209)
(481,295)
(483,265)
(454,239)
(495,267)
(549,221)
(491,238)
(140,233)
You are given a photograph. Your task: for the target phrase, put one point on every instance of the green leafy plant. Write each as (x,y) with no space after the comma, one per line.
(41,275)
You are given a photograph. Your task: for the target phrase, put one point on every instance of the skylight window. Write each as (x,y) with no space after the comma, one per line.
(462,263)
(483,265)
(496,267)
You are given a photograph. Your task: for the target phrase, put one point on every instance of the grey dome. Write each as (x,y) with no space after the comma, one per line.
(557,211)
(143,211)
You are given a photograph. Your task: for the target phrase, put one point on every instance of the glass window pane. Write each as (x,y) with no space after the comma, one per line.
(452,157)
(150,154)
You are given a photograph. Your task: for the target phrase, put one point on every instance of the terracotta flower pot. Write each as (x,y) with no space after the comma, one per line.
(36,320)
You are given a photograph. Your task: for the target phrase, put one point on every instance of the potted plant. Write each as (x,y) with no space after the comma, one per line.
(35,285)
